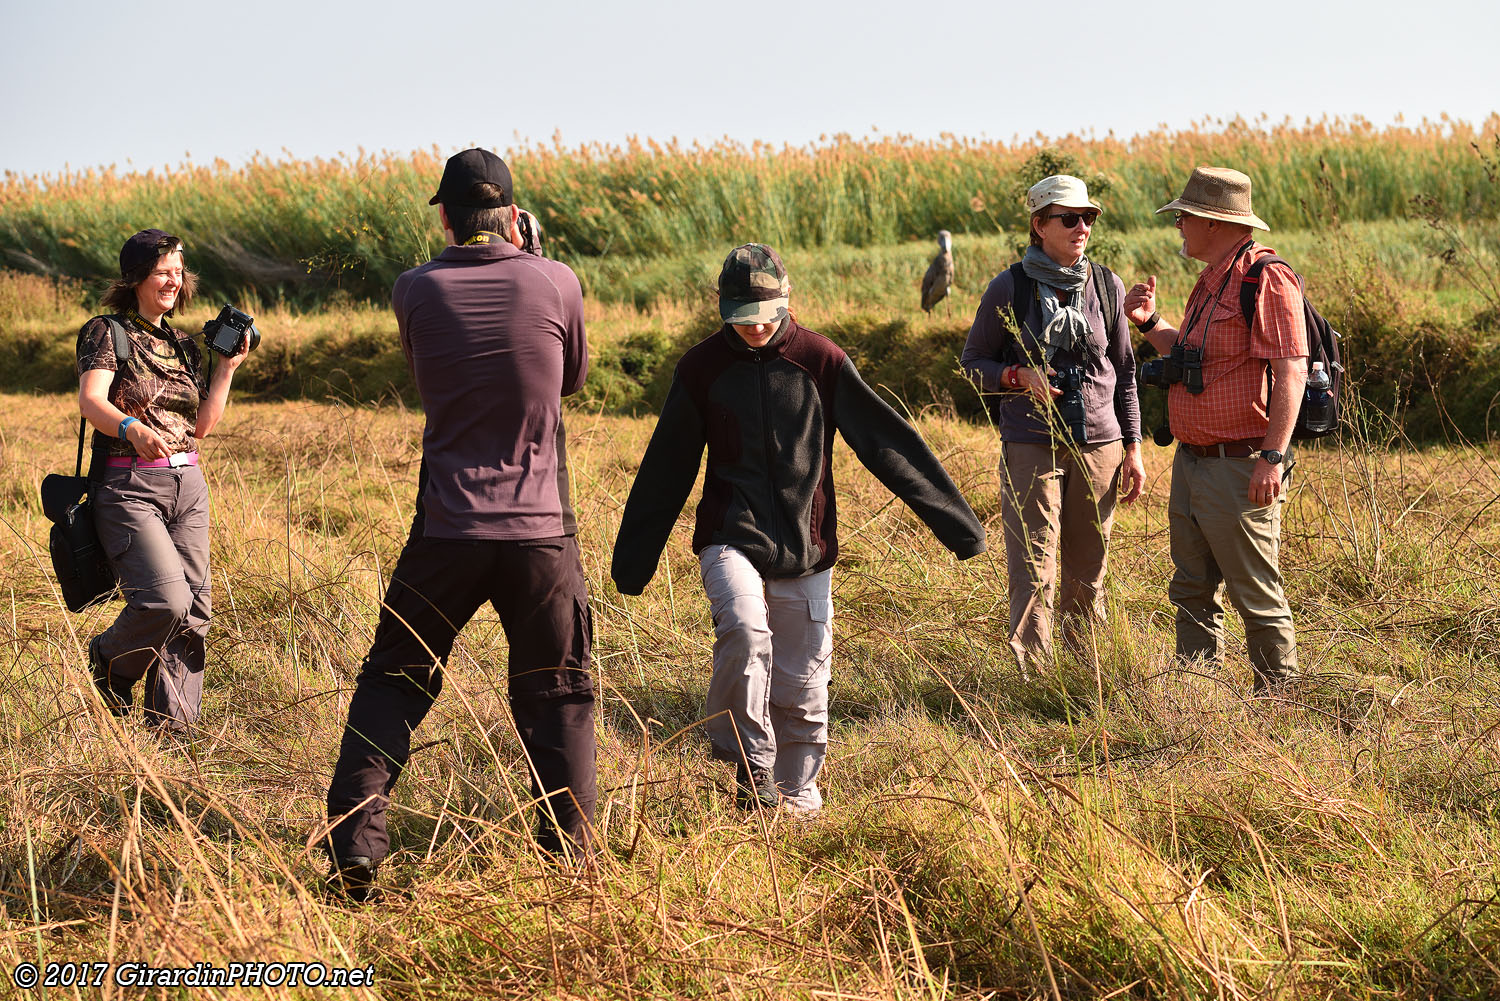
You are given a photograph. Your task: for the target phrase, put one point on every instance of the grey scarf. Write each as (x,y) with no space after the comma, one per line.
(1064,328)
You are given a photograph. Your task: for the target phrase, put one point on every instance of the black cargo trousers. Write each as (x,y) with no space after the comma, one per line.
(537,588)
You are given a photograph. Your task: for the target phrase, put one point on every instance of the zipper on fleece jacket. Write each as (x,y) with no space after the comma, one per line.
(765,426)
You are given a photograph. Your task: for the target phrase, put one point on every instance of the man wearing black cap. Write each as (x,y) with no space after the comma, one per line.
(494,337)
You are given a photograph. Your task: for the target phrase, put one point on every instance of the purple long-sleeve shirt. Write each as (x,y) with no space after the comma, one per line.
(494,338)
(1111,409)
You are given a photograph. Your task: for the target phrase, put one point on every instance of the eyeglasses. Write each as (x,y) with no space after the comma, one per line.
(1070,219)
(1178,216)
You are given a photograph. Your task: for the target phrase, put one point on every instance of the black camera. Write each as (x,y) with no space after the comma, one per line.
(226,332)
(1184,365)
(1070,408)
(531,233)
(1154,373)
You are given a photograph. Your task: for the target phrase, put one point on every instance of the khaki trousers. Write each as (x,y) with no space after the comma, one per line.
(1056,499)
(1220,540)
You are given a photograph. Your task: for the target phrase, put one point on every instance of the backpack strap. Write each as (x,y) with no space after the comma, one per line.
(1250,287)
(1022,291)
(1106,289)
(121,338)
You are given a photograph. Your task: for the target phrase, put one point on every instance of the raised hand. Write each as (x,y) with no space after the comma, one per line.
(1140,301)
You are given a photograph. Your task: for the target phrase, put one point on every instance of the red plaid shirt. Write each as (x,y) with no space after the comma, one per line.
(1232,406)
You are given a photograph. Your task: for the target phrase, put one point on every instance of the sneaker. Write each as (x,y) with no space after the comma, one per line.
(754,790)
(352,878)
(802,814)
(114,691)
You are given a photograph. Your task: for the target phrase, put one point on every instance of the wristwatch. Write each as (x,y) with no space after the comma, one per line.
(1271,456)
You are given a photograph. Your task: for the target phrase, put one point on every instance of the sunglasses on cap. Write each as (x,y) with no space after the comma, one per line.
(1070,219)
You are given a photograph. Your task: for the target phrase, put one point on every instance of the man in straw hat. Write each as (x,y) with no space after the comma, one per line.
(1233,424)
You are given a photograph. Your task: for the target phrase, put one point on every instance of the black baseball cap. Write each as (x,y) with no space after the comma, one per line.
(466,169)
(142,250)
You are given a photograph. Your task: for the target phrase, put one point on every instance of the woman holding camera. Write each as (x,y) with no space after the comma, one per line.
(1050,338)
(142,386)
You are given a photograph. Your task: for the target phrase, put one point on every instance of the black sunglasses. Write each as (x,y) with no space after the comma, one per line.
(1070,219)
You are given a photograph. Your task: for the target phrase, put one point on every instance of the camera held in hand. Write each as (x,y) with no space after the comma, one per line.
(226,332)
(1070,406)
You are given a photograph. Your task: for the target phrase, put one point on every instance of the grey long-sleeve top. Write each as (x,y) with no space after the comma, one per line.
(1111,408)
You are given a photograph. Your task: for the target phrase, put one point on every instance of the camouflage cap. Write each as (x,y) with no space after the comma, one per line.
(753,286)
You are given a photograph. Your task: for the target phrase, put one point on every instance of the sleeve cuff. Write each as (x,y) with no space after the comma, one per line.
(970,551)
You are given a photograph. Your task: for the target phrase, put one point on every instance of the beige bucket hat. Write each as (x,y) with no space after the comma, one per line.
(1059,189)
(1217,193)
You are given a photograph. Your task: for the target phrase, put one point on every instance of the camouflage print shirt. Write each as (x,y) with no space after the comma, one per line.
(161,386)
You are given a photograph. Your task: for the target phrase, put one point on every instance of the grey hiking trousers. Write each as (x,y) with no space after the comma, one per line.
(153,524)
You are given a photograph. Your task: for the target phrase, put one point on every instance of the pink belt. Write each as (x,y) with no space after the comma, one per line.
(135,462)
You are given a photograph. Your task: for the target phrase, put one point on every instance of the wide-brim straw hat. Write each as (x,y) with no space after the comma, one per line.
(1217,193)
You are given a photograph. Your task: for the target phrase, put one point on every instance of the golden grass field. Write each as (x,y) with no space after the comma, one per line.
(1117,827)
(1126,829)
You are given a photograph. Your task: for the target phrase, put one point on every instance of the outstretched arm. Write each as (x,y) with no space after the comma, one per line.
(661,488)
(894,451)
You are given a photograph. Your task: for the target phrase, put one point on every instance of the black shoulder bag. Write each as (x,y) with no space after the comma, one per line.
(83,572)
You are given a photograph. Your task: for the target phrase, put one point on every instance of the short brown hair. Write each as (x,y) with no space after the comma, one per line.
(1041,213)
(465,220)
(119,296)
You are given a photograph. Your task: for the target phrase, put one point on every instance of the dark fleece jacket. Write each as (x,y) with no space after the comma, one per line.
(767,417)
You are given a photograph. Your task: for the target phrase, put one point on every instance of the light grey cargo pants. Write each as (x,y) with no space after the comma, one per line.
(773,645)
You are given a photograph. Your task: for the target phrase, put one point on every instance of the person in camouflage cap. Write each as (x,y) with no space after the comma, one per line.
(142,386)
(764,395)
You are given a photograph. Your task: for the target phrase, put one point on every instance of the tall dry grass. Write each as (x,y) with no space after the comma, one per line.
(1118,829)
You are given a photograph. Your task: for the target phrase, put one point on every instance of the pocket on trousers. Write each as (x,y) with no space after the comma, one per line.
(572,644)
(819,609)
(116,542)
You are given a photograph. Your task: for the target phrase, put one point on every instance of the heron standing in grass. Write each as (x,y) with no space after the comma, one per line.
(939,277)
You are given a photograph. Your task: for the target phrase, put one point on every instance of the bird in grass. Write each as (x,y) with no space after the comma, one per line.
(939,277)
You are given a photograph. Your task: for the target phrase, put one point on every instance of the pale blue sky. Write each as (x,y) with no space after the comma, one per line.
(85,83)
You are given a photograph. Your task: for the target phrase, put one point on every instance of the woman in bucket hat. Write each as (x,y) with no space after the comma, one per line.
(1050,339)
(763,396)
(142,386)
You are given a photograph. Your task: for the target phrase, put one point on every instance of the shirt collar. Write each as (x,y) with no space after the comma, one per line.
(774,345)
(479,252)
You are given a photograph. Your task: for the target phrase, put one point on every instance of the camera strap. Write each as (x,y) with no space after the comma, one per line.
(484,236)
(1205,309)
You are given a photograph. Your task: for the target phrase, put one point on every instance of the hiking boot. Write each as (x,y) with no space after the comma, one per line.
(114,691)
(754,790)
(352,878)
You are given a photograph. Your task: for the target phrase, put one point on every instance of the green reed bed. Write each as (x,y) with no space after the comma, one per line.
(308,231)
